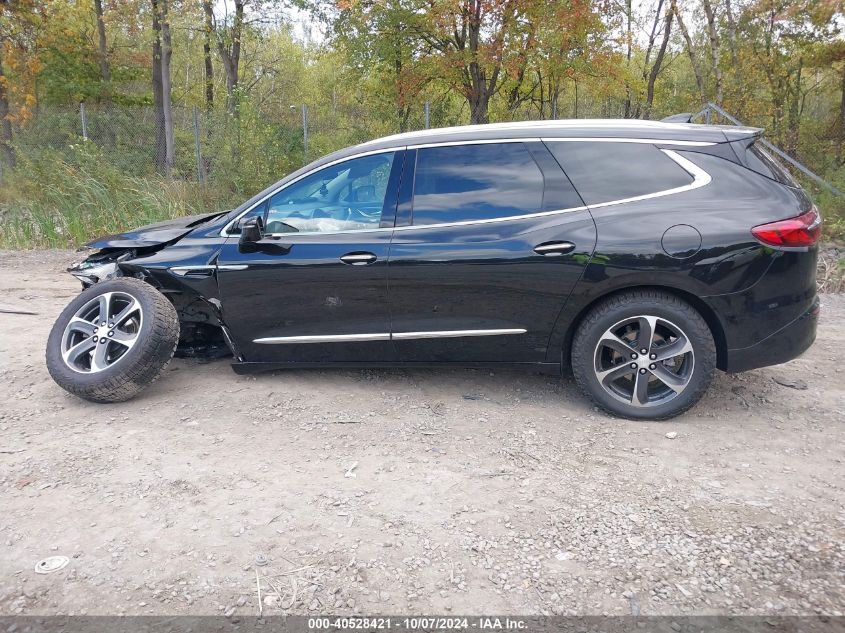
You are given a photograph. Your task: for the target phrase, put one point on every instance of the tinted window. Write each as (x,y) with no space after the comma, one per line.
(475,182)
(603,171)
(764,163)
(343,197)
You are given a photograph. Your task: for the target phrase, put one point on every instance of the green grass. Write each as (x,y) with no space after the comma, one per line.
(832,209)
(68,216)
(61,204)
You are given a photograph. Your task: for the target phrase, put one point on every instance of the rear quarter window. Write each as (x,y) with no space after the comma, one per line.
(608,171)
(761,161)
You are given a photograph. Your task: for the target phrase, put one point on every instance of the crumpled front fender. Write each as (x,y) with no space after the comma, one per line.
(157,234)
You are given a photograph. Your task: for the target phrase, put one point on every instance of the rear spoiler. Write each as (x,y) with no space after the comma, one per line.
(740,132)
(735,133)
(683,117)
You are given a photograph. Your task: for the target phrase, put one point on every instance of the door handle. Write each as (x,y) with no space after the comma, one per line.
(554,248)
(358,259)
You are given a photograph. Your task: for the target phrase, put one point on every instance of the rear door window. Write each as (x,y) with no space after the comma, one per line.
(457,183)
(608,171)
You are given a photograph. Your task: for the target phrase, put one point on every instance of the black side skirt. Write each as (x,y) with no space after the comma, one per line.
(552,369)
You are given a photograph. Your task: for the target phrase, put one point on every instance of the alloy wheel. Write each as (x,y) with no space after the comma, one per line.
(644,361)
(101,332)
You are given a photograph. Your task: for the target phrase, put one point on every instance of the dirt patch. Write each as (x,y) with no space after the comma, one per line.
(412,491)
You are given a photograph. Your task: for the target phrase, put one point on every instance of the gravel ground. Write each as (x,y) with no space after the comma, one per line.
(424,491)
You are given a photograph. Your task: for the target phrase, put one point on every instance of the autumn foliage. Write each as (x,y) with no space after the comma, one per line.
(366,68)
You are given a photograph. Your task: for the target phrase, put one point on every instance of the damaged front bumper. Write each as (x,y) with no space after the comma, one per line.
(99,266)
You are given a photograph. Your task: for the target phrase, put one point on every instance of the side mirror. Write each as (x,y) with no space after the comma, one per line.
(252,230)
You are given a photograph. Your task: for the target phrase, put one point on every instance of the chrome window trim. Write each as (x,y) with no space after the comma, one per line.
(508,218)
(700,179)
(486,141)
(383,336)
(651,141)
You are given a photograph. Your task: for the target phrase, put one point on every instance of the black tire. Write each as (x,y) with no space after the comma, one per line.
(669,310)
(155,341)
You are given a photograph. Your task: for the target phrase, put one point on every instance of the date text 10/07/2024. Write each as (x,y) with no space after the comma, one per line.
(418,623)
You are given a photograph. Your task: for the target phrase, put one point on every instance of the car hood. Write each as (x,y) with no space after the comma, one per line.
(152,234)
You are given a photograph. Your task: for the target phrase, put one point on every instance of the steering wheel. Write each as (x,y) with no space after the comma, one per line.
(322,213)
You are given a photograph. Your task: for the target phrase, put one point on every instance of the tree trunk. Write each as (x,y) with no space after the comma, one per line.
(696,69)
(841,139)
(658,62)
(206,51)
(554,98)
(7,152)
(732,44)
(652,38)
(794,120)
(479,92)
(158,94)
(231,57)
(515,97)
(629,45)
(777,93)
(102,48)
(479,103)
(714,49)
(478,88)
(166,88)
(403,112)
(107,135)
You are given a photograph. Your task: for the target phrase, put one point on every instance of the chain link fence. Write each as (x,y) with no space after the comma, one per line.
(217,149)
(214,149)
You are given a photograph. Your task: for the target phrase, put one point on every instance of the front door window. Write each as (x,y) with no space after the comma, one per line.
(347,196)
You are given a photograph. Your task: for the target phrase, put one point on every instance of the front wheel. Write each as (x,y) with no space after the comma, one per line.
(644,354)
(112,340)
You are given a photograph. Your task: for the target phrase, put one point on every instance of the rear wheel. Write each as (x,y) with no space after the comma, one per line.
(644,354)
(112,340)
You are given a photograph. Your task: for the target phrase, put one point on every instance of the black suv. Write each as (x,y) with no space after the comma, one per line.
(643,255)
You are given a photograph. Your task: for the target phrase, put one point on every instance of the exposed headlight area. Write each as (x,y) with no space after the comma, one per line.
(99,266)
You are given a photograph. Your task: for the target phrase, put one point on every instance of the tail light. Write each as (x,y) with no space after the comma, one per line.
(801,231)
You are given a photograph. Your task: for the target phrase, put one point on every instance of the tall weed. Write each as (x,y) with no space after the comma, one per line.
(62,199)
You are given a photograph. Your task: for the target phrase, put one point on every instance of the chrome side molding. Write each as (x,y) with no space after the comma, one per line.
(400,336)
(383,336)
(193,271)
(204,270)
(330,338)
